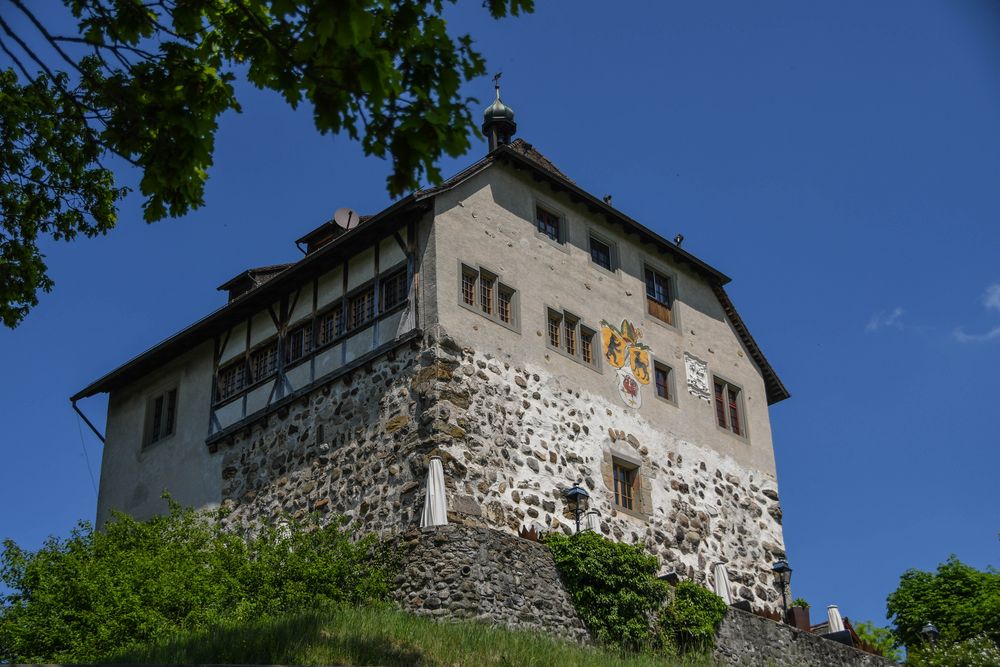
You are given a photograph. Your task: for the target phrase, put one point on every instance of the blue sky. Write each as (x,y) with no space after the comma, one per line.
(838,160)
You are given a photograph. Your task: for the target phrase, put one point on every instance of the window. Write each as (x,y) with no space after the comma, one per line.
(548,224)
(393,290)
(658,299)
(664,379)
(570,337)
(331,325)
(361,308)
(625,478)
(600,253)
(298,342)
(232,379)
(729,407)
(505,301)
(483,292)
(161,416)
(263,362)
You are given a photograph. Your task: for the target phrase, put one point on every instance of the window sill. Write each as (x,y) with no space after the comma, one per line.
(561,245)
(515,327)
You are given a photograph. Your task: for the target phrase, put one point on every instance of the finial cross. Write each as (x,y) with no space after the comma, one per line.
(496,82)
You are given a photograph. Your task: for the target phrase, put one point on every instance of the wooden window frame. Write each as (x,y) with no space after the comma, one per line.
(298,342)
(547,222)
(626,485)
(492,298)
(565,333)
(661,309)
(727,403)
(671,390)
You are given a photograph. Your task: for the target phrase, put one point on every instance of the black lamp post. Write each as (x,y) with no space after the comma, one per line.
(930,632)
(577,497)
(783,573)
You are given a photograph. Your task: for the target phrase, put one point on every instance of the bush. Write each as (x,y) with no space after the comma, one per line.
(800,602)
(97,593)
(613,586)
(975,652)
(692,617)
(616,593)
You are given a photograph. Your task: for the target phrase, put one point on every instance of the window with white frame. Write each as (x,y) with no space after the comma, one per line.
(482,291)
(565,333)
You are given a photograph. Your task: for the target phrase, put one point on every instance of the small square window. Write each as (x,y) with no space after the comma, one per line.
(729,407)
(161,416)
(600,253)
(659,302)
(549,224)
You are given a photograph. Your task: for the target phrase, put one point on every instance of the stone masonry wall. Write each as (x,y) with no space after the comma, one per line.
(511,439)
(751,641)
(458,571)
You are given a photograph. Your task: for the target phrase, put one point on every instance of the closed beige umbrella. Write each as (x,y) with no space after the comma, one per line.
(721,583)
(836,623)
(435,506)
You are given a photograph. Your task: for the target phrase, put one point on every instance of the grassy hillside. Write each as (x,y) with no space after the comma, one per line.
(364,636)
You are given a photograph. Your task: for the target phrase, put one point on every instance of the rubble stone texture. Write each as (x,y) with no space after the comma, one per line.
(511,440)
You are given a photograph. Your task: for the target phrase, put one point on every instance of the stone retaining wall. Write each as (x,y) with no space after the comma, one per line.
(459,571)
(751,641)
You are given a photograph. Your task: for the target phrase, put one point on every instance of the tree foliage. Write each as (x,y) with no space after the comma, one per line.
(961,601)
(147,81)
(879,638)
(97,593)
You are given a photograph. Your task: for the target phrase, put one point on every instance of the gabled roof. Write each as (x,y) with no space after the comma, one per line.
(326,243)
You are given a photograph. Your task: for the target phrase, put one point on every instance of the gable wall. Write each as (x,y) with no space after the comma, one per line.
(489,221)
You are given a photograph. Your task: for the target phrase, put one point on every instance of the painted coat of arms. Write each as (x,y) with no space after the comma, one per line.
(623,350)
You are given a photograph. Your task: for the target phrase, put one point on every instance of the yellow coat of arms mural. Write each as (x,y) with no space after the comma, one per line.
(623,350)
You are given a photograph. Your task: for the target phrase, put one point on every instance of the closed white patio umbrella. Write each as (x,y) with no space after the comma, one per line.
(435,507)
(834,619)
(721,583)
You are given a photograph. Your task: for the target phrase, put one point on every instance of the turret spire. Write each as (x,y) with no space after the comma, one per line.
(498,120)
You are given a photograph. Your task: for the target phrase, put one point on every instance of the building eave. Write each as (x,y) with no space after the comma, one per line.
(247,304)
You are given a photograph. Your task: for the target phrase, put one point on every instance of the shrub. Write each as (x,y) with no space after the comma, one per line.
(881,639)
(613,586)
(692,617)
(800,602)
(616,593)
(97,593)
(974,652)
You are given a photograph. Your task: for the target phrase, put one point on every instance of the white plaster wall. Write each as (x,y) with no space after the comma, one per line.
(133,478)
(236,343)
(489,220)
(331,286)
(303,304)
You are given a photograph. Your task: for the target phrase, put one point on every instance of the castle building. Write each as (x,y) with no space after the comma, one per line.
(507,321)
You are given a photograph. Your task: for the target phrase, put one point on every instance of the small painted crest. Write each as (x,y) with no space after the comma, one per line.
(613,346)
(639,360)
(623,350)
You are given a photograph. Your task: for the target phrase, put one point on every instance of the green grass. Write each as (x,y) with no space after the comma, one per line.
(386,637)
